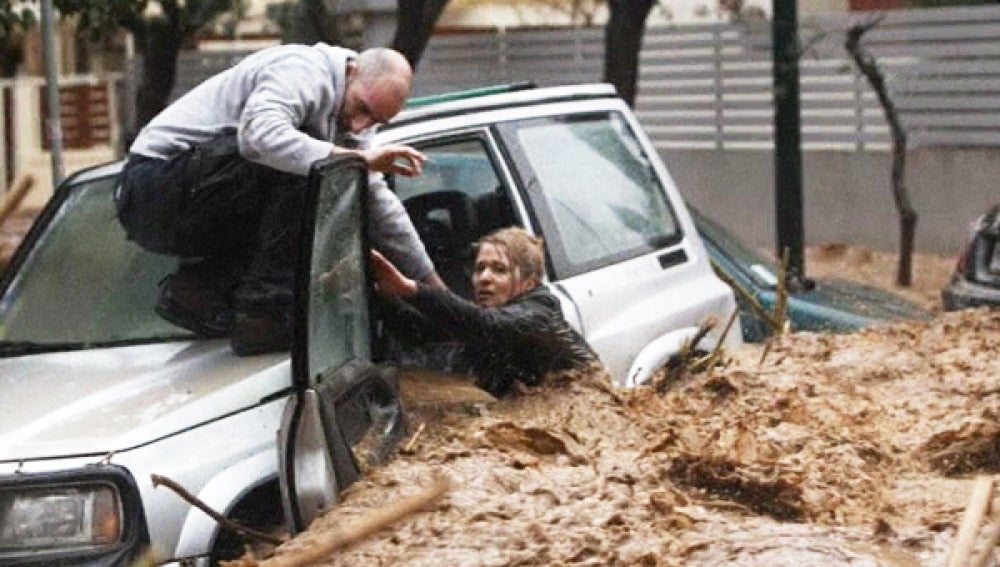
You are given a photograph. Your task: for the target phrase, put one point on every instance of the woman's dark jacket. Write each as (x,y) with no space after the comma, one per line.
(523,340)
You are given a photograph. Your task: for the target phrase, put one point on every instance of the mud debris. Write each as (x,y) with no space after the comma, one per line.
(836,450)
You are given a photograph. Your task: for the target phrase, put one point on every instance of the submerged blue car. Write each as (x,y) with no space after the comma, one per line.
(825,305)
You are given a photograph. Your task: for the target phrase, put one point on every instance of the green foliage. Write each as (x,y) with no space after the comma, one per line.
(103,17)
(15,16)
(185,17)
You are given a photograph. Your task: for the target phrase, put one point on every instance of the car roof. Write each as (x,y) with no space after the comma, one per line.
(453,103)
(494,98)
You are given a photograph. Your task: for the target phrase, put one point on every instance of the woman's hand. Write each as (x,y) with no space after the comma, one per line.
(389,280)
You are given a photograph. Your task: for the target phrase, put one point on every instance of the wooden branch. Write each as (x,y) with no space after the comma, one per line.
(413,440)
(726,329)
(781,301)
(703,330)
(11,200)
(360,529)
(991,535)
(755,305)
(224,522)
(965,539)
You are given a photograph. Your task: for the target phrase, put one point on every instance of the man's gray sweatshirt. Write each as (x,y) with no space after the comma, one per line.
(283,103)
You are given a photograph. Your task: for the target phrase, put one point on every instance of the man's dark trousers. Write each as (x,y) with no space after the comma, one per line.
(233,223)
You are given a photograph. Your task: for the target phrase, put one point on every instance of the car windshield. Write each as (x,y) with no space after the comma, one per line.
(596,192)
(83,284)
(733,251)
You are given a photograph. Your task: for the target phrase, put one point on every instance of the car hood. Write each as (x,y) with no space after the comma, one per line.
(841,305)
(112,399)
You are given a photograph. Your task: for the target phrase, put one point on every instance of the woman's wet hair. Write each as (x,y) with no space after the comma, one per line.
(526,252)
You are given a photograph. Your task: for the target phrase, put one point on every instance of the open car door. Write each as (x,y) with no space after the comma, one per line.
(345,411)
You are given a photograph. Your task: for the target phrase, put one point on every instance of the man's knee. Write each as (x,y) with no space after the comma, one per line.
(145,202)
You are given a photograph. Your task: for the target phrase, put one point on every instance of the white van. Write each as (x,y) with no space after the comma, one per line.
(97,393)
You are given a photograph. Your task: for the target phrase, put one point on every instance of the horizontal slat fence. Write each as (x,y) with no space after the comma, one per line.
(710,85)
(545,57)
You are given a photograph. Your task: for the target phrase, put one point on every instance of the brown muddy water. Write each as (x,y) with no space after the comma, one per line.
(829,450)
(833,450)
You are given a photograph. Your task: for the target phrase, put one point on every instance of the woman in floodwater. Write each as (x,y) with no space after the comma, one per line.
(515,330)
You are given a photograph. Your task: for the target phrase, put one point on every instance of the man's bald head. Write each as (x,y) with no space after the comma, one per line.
(384,63)
(379,82)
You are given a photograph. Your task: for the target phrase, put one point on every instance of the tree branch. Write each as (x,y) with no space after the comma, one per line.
(907,215)
(222,520)
(327,543)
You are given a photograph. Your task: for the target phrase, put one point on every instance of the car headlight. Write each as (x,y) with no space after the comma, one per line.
(59,517)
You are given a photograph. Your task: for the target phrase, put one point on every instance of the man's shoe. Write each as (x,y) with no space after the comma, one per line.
(260,334)
(190,305)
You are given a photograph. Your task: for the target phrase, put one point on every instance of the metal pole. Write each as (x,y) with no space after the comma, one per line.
(787,137)
(54,124)
(3,138)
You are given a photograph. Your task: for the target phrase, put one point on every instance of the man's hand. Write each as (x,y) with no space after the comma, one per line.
(395,158)
(390,281)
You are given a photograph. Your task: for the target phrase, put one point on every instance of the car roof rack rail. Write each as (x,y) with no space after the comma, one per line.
(469,93)
(505,96)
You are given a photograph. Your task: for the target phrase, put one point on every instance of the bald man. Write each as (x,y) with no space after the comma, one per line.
(218,178)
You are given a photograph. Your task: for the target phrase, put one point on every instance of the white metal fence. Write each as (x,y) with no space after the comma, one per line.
(710,85)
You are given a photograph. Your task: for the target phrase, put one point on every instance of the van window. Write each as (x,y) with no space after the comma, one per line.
(458,199)
(593,188)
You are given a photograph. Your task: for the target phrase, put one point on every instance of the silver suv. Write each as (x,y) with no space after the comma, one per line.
(98,393)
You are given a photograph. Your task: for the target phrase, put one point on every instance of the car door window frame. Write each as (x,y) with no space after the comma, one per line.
(495,151)
(337,402)
(302,373)
(486,137)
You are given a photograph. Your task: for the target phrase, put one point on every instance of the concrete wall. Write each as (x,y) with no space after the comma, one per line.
(847,196)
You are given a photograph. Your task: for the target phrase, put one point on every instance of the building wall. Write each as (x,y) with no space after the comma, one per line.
(513,13)
(824,6)
(847,196)
(28,155)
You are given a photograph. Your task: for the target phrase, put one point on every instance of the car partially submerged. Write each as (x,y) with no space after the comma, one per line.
(976,281)
(820,305)
(97,393)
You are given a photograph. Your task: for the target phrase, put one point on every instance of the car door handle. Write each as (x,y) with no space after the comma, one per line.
(671,259)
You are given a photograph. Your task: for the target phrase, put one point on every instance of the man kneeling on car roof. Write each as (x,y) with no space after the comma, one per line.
(515,330)
(218,180)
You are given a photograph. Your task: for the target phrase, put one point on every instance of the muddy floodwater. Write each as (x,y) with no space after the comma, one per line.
(815,450)
(833,450)
(855,450)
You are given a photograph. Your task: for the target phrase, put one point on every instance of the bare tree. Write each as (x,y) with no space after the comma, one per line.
(622,41)
(907,215)
(622,36)
(415,21)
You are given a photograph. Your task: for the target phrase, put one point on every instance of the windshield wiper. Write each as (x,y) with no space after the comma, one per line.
(21,348)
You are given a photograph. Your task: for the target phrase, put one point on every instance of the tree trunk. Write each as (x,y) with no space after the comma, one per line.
(160,47)
(622,40)
(11,54)
(907,215)
(415,21)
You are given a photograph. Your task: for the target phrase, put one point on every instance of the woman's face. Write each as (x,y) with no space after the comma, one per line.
(495,280)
